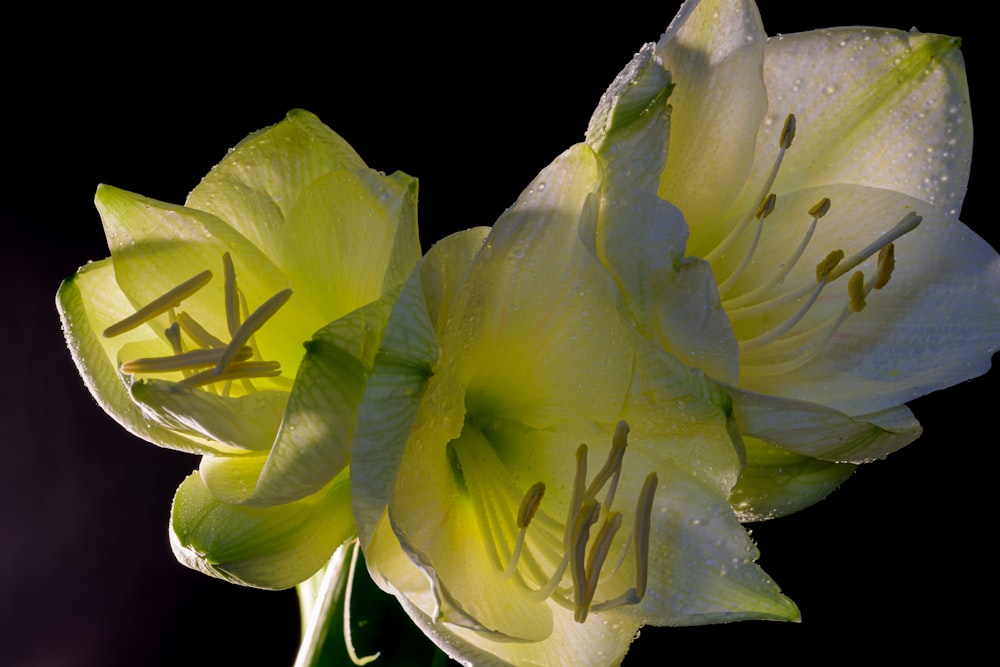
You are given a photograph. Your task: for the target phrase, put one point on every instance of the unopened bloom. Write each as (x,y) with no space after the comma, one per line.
(533,479)
(813,260)
(191,335)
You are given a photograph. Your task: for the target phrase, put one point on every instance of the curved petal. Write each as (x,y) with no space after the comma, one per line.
(248,422)
(88,303)
(714,51)
(341,237)
(706,569)
(777,482)
(261,179)
(818,431)
(313,443)
(881,108)
(274,547)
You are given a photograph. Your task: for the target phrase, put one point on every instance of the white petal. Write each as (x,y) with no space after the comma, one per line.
(875,107)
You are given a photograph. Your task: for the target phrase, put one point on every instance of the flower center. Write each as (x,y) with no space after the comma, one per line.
(780,326)
(548,551)
(206,359)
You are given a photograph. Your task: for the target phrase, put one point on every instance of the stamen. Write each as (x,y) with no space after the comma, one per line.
(787,133)
(159,305)
(612,467)
(595,561)
(529,505)
(197,332)
(824,268)
(525,513)
(232,303)
(173,335)
(577,556)
(643,521)
(856,291)
(235,371)
(200,358)
(886,264)
(736,307)
(255,321)
(784,143)
(907,224)
(764,210)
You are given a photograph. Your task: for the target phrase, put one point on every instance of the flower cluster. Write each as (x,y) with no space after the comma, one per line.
(545,434)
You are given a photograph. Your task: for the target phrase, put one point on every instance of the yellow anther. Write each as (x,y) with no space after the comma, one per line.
(824,268)
(820,209)
(787,133)
(529,504)
(235,371)
(255,321)
(159,305)
(232,301)
(856,290)
(886,263)
(202,358)
(766,206)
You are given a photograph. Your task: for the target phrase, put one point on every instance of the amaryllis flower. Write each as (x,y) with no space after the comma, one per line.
(533,479)
(242,326)
(811,257)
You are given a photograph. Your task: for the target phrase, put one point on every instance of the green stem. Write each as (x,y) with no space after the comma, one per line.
(318,598)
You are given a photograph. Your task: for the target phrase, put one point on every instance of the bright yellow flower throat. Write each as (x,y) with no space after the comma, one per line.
(213,359)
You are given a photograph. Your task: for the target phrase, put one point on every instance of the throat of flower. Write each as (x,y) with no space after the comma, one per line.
(584,550)
(780,326)
(199,356)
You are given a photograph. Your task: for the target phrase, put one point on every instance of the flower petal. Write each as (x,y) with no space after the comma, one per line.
(313,443)
(777,482)
(88,303)
(641,238)
(935,324)
(247,422)
(262,178)
(714,51)
(883,108)
(818,431)
(274,547)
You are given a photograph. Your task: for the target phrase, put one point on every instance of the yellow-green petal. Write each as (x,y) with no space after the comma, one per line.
(272,547)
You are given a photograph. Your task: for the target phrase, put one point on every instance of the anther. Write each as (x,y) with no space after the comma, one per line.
(201,358)
(856,290)
(787,133)
(577,556)
(824,268)
(907,224)
(766,206)
(173,335)
(159,305)
(235,371)
(529,504)
(886,263)
(595,561)
(820,209)
(643,520)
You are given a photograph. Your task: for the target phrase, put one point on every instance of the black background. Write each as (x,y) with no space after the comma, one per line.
(898,562)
